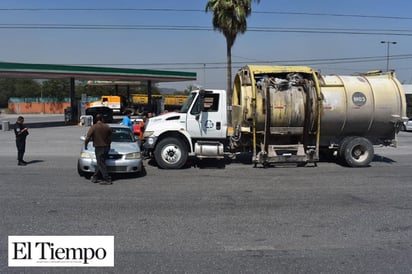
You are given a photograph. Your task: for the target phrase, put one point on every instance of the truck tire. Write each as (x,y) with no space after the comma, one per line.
(171,153)
(358,152)
(342,146)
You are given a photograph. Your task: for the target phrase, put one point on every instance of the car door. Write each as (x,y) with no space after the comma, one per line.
(205,119)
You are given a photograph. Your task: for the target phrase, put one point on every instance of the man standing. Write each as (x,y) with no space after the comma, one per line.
(21,133)
(127,121)
(101,134)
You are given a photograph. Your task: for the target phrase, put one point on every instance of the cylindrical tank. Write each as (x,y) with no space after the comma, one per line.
(287,106)
(276,97)
(367,105)
(282,103)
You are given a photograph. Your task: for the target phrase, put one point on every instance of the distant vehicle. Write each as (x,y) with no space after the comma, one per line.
(124,154)
(167,102)
(116,103)
(106,112)
(407,126)
(139,103)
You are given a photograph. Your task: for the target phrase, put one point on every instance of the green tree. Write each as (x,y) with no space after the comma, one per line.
(26,88)
(229,17)
(7,89)
(56,88)
(11,87)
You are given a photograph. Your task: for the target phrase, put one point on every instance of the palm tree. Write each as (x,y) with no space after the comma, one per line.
(229,17)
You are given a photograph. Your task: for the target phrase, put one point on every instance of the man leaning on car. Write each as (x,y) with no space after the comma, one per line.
(102,138)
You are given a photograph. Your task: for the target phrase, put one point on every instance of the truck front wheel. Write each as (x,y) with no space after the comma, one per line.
(171,153)
(358,152)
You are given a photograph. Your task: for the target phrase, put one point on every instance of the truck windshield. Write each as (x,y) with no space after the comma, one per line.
(188,103)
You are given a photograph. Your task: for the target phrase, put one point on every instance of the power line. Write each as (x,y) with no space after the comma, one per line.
(347,31)
(222,65)
(203,11)
(335,15)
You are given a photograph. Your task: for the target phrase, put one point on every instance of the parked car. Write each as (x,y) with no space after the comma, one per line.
(124,154)
(407,126)
(106,112)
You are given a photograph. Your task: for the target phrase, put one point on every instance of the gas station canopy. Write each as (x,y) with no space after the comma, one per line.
(113,76)
(48,71)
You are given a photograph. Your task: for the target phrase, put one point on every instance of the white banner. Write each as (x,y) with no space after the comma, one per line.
(61,251)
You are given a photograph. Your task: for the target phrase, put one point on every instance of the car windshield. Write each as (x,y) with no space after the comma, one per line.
(123,135)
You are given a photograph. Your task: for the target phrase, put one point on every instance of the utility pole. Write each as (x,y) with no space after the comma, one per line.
(387,51)
(204,75)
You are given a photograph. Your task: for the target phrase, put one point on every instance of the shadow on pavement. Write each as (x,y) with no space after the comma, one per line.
(34,162)
(46,124)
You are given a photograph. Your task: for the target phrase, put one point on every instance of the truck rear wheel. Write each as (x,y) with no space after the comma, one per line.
(357,152)
(342,147)
(171,153)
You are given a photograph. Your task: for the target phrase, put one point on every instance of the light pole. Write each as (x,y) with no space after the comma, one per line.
(387,51)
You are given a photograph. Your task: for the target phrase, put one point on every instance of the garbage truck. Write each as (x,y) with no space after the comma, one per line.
(283,114)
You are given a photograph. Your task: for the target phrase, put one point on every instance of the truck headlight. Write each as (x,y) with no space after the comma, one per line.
(134,155)
(148,133)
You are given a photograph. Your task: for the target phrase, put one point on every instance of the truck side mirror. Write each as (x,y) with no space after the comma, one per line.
(198,105)
(201,100)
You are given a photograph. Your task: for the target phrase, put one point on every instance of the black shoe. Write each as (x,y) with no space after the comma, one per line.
(94,180)
(21,163)
(106,182)
(24,162)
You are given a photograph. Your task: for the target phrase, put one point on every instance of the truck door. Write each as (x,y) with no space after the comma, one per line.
(207,118)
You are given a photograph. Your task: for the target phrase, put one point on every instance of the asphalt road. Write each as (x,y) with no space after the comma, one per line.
(237,219)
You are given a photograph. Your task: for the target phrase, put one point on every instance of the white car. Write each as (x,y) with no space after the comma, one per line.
(407,126)
(124,154)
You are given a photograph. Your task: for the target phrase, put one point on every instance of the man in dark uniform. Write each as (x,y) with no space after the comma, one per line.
(102,138)
(21,133)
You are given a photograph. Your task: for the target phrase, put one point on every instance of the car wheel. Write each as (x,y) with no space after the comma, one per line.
(171,153)
(402,127)
(358,152)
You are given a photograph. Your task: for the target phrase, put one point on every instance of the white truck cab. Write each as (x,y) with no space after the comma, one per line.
(198,129)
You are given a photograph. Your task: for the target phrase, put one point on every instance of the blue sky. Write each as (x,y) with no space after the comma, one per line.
(192,45)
